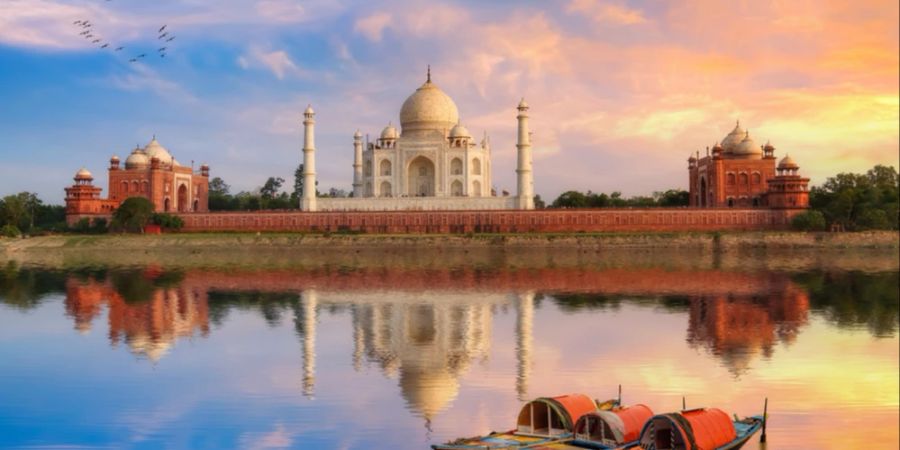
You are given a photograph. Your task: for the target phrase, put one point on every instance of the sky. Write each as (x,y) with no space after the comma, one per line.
(621,92)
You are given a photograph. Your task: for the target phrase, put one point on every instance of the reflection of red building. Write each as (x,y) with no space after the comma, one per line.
(148,327)
(150,172)
(740,173)
(737,327)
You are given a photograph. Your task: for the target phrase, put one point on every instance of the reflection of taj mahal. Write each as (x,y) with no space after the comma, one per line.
(432,163)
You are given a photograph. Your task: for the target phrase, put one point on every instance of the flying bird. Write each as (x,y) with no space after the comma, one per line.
(119,48)
(95,41)
(163,35)
(84,33)
(142,55)
(77,22)
(132,60)
(170,39)
(162,49)
(104,46)
(162,28)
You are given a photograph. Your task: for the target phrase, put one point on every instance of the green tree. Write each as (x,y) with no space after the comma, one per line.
(133,214)
(219,197)
(15,210)
(811,220)
(539,202)
(270,187)
(859,201)
(570,199)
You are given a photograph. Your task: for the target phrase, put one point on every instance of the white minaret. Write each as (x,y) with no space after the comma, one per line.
(525,186)
(308,201)
(357,165)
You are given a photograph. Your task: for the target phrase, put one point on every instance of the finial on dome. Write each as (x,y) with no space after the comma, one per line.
(428,79)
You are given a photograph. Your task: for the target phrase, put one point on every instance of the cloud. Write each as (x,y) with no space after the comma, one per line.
(607,12)
(372,26)
(276,61)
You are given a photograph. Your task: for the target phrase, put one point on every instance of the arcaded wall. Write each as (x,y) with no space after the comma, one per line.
(541,221)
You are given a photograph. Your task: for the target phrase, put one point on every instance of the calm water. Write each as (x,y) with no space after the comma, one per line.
(382,357)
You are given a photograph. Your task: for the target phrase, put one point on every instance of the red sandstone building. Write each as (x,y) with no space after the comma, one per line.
(741,174)
(150,172)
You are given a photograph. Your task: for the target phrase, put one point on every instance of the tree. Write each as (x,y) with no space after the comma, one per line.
(219,197)
(570,199)
(15,210)
(271,187)
(133,214)
(298,183)
(808,221)
(859,201)
(539,202)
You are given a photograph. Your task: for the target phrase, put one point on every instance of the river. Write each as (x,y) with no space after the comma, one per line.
(371,355)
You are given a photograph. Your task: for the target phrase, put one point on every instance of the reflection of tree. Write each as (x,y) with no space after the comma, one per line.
(852,299)
(271,305)
(24,289)
(138,285)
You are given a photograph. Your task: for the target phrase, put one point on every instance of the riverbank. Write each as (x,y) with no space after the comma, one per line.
(250,241)
(744,251)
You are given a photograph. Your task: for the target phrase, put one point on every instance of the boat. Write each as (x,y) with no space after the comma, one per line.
(698,429)
(540,421)
(617,428)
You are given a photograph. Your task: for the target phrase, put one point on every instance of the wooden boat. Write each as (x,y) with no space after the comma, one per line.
(698,429)
(542,420)
(615,428)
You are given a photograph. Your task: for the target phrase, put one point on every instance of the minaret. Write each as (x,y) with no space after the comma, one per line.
(523,171)
(357,165)
(308,201)
(309,302)
(524,326)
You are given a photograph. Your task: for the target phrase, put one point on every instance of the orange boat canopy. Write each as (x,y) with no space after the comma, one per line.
(695,429)
(614,427)
(553,416)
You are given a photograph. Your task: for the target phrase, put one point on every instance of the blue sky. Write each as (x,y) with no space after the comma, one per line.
(621,92)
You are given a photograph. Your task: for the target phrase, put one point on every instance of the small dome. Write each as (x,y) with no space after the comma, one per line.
(692,158)
(717,148)
(788,163)
(137,159)
(459,131)
(769,146)
(357,135)
(309,110)
(83,174)
(114,158)
(429,108)
(747,147)
(155,150)
(389,132)
(523,104)
(733,139)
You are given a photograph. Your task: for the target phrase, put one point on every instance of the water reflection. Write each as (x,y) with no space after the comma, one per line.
(426,331)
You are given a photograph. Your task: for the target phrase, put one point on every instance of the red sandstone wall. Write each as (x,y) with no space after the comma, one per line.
(541,221)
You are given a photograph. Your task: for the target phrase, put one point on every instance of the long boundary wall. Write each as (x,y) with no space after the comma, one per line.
(537,221)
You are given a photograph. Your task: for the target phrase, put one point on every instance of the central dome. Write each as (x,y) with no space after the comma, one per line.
(429,108)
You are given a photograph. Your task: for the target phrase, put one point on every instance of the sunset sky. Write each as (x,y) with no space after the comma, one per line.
(621,92)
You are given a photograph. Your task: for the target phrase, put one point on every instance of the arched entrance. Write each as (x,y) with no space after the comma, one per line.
(456,189)
(182,198)
(166,205)
(420,177)
(703,192)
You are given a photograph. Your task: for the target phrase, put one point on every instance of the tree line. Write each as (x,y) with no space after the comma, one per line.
(854,202)
(269,196)
(666,199)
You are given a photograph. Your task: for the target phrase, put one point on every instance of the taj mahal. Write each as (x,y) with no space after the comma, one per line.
(431,163)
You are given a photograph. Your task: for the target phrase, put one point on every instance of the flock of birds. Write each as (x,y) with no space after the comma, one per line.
(90,33)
